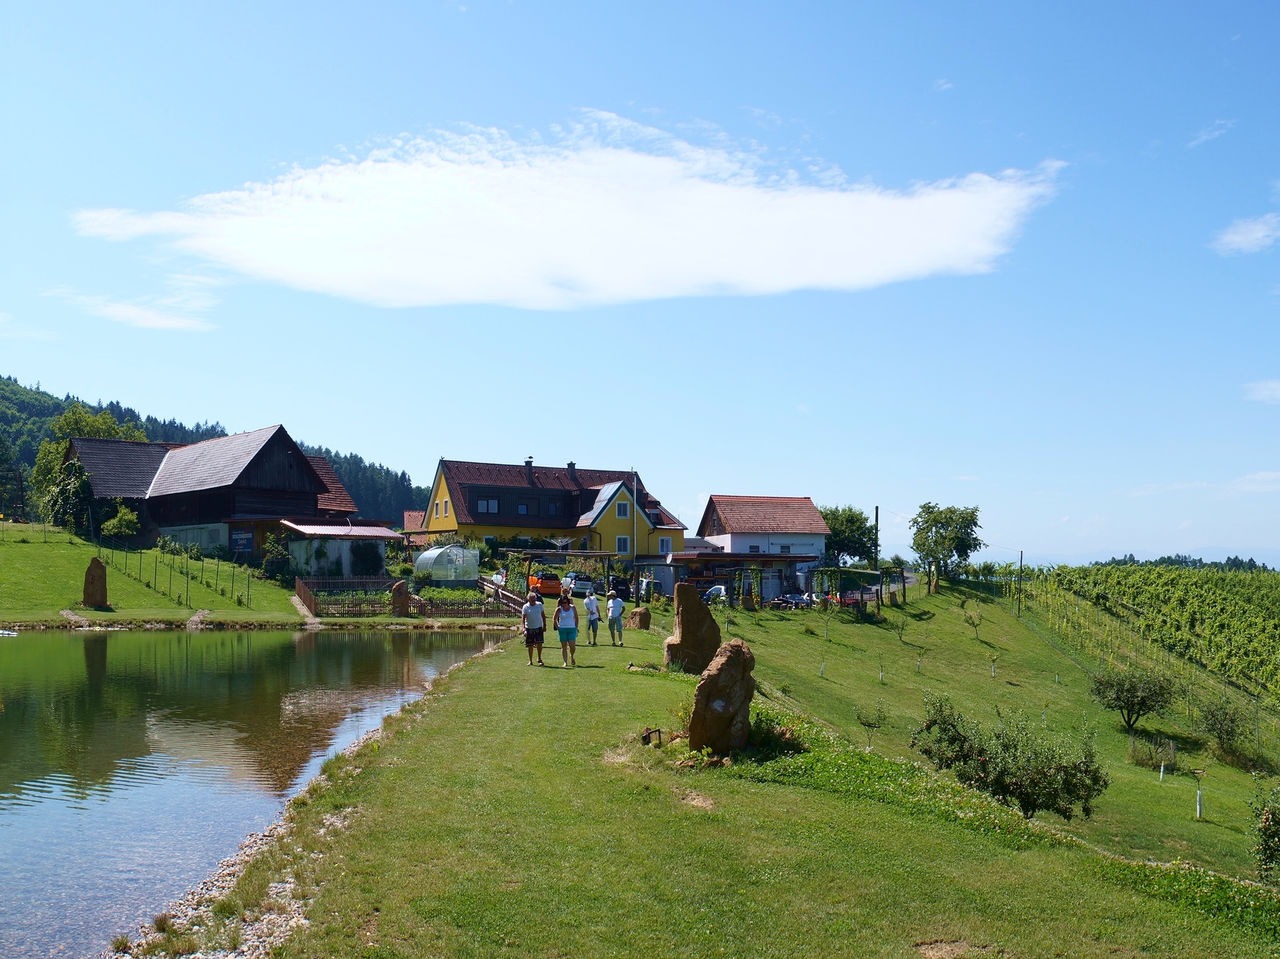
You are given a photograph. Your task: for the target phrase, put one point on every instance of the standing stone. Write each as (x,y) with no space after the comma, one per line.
(95,585)
(639,618)
(721,719)
(400,598)
(697,634)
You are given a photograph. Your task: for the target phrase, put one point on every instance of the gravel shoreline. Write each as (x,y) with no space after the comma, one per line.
(260,930)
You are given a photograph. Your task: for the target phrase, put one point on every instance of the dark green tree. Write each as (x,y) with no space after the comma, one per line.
(123,525)
(853,535)
(945,535)
(1133,692)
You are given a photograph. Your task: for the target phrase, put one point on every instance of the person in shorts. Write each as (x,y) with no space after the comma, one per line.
(534,620)
(615,608)
(593,616)
(566,622)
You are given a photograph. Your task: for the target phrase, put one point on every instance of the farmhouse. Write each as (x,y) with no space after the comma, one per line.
(231,492)
(562,506)
(782,538)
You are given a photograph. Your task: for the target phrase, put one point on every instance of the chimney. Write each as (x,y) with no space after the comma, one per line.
(528,470)
(573,473)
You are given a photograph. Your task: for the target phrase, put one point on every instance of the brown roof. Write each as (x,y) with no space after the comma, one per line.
(414,519)
(764,514)
(460,474)
(337,499)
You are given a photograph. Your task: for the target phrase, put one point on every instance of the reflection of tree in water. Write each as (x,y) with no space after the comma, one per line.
(261,704)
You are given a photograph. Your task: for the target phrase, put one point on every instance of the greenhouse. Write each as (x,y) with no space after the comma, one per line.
(451,565)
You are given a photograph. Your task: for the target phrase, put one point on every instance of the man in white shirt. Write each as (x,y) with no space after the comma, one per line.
(615,608)
(534,620)
(592,606)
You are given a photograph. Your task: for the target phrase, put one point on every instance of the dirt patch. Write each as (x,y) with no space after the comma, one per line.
(696,800)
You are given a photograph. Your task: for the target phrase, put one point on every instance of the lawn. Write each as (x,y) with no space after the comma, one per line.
(514,812)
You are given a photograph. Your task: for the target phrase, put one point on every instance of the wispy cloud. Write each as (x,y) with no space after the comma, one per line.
(1214,130)
(1263,391)
(604,211)
(942,85)
(1262,482)
(175,312)
(1248,235)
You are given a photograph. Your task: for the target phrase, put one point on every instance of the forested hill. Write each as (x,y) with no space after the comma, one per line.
(27,412)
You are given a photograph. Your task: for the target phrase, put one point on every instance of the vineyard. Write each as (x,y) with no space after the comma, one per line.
(1175,620)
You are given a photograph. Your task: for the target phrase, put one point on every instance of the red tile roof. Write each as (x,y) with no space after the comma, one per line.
(337,499)
(459,475)
(763,514)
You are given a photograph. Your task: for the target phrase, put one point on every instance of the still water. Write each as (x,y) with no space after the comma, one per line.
(131,763)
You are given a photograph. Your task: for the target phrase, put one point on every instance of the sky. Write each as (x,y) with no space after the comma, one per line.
(1015,256)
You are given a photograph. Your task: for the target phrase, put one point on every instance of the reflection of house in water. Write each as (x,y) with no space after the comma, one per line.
(258,705)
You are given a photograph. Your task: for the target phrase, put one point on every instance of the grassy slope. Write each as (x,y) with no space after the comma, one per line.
(519,817)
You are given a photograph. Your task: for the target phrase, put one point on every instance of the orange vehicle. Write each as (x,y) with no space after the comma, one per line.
(545,582)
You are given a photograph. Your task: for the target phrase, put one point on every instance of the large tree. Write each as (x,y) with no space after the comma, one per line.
(853,536)
(945,535)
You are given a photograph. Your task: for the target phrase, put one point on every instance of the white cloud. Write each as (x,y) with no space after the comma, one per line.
(1248,236)
(608,212)
(1214,130)
(1263,391)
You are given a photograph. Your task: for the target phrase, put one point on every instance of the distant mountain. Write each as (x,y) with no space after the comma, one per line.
(27,412)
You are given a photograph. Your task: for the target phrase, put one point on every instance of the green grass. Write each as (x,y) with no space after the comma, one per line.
(514,813)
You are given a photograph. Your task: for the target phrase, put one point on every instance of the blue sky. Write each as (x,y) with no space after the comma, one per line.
(1020,257)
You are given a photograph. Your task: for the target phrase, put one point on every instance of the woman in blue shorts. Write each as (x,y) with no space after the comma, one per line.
(566,623)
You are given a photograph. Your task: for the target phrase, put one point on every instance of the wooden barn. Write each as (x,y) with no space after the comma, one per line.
(230,491)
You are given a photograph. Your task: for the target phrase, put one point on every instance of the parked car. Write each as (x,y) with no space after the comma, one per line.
(620,585)
(714,594)
(579,583)
(545,583)
(793,600)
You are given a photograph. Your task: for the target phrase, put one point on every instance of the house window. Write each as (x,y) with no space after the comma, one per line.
(623,509)
(446,507)
(522,509)
(553,509)
(755,548)
(487,504)
(784,548)
(664,544)
(623,545)
(437,510)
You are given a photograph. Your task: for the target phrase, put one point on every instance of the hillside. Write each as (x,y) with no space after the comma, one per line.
(26,414)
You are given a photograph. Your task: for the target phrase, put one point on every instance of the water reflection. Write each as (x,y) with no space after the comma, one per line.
(130,763)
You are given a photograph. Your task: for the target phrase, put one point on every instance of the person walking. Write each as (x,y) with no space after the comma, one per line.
(593,616)
(566,622)
(534,620)
(615,608)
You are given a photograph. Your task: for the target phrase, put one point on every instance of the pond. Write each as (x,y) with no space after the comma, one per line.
(131,763)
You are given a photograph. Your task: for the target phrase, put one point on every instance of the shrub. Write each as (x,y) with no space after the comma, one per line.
(1266,830)
(1020,765)
(1224,721)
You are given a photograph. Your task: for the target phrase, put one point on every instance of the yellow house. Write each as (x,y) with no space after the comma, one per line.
(553,506)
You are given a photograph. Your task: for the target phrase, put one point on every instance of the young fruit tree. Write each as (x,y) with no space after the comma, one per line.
(1133,692)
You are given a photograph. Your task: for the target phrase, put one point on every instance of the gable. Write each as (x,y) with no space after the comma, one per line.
(118,468)
(261,459)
